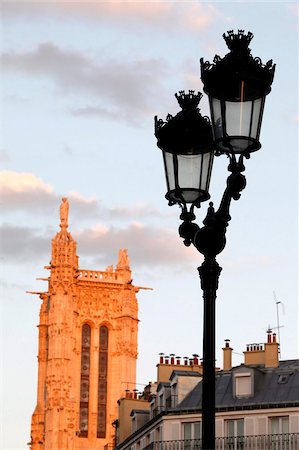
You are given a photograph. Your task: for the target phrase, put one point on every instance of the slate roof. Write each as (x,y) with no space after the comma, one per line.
(184,373)
(273,387)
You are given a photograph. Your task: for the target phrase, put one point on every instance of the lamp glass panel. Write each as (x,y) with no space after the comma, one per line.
(257,114)
(190,174)
(169,170)
(236,125)
(189,171)
(238,116)
(215,108)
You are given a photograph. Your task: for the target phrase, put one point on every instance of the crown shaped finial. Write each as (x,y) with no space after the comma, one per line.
(238,42)
(188,101)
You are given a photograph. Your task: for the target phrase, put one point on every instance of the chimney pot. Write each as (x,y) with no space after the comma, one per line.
(195,359)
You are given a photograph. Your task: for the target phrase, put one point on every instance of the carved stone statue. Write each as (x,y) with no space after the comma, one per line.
(64,212)
(123,259)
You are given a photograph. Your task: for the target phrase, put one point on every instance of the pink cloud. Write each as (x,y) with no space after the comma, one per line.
(128,87)
(28,193)
(158,15)
(21,182)
(148,246)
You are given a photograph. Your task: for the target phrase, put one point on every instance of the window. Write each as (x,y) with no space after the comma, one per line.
(174,395)
(279,427)
(158,439)
(160,402)
(283,378)
(84,380)
(243,385)
(192,435)
(102,382)
(235,434)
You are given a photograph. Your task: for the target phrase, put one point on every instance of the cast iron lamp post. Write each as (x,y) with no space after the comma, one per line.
(237,86)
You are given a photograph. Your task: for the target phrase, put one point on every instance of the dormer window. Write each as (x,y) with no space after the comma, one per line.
(174,395)
(243,385)
(161,402)
(153,406)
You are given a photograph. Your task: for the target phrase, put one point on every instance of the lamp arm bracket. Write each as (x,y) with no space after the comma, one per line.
(210,239)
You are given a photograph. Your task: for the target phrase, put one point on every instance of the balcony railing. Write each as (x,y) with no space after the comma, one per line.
(287,441)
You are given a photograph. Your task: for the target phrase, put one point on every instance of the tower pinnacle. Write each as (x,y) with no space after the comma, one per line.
(64,213)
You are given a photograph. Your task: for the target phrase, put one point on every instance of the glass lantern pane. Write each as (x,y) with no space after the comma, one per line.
(236,124)
(188,176)
(169,170)
(257,112)
(189,171)
(238,118)
(207,163)
(215,106)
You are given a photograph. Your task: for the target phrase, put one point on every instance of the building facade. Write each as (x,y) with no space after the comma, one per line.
(257,405)
(87,348)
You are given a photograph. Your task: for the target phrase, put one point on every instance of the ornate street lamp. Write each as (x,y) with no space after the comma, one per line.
(237,86)
(186,141)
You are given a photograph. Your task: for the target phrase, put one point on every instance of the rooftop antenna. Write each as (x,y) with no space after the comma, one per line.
(278,302)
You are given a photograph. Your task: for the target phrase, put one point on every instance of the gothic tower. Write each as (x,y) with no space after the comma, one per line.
(87,348)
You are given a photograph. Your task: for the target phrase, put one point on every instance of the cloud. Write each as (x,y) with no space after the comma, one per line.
(156,15)
(148,247)
(22,182)
(27,193)
(136,211)
(127,87)
(4,157)
(20,244)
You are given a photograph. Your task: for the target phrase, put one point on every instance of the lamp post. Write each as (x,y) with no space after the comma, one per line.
(237,86)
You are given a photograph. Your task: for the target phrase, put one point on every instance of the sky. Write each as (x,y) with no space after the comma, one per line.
(81,83)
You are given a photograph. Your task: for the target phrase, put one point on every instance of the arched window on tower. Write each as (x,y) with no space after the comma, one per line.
(85,380)
(102,382)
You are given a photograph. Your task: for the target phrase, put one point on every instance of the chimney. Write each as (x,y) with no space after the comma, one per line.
(263,354)
(227,355)
(195,359)
(271,351)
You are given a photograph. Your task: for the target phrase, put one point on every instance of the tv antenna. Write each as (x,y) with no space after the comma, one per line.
(278,302)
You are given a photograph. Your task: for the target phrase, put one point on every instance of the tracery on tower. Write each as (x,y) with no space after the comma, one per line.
(85,380)
(102,382)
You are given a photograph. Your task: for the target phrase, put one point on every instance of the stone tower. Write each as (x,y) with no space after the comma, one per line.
(87,348)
